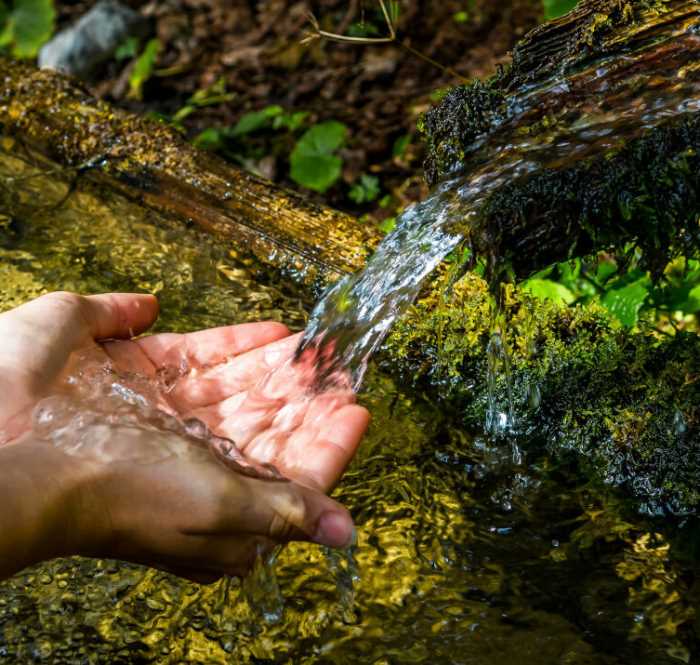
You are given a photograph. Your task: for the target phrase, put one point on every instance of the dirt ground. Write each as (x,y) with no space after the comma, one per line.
(378,91)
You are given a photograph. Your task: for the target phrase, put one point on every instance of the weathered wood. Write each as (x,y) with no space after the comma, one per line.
(603,107)
(150,161)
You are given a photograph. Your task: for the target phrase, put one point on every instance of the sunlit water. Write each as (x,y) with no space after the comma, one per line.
(465,554)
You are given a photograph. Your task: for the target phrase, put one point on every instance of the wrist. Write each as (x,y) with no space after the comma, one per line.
(46,509)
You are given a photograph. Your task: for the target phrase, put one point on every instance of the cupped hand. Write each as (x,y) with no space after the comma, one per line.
(189,513)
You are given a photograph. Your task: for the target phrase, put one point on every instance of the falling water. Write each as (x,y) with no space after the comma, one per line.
(571,117)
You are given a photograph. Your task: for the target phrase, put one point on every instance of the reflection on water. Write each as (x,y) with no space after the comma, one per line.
(465,555)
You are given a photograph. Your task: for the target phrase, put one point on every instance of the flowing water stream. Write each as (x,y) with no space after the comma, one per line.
(465,553)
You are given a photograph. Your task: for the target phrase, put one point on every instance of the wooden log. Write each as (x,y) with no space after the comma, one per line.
(603,108)
(151,162)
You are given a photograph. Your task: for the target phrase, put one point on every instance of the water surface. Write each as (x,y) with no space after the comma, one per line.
(465,556)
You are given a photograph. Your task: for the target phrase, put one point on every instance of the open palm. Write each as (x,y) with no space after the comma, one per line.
(239,381)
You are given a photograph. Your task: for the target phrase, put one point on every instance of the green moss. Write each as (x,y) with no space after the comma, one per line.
(628,404)
(648,193)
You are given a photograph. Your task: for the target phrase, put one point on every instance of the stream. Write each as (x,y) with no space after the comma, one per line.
(466,552)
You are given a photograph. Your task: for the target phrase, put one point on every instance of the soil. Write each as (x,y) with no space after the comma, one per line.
(378,91)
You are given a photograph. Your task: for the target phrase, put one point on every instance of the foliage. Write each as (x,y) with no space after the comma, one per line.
(27,26)
(557,8)
(365,190)
(211,96)
(546,289)
(129,49)
(628,402)
(627,292)
(143,68)
(401,146)
(268,132)
(314,162)
(272,116)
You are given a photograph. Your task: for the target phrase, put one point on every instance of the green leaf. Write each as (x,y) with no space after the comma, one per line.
(209,139)
(251,122)
(401,145)
(143,68)
(388,225)
(28,26)
(557,8)
(624,301)
(546,289)
(365,190)
(290,121)
(605,270)
(313,162)
(127,49)
(692,306)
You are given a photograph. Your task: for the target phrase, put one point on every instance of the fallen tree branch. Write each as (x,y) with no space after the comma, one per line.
(151,162)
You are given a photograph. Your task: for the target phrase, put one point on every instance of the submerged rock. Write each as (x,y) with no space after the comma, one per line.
(79,49)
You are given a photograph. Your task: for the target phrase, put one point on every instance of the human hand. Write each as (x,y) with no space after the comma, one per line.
(188,513)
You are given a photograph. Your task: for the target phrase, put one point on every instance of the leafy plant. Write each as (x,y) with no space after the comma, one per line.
(27,26)
(401,145)
(143,68)
(313,162)
(210,96)
(127,50)
(388,225)
(365,190)
(627,292)
(625,298)
(557,8)
(546,289)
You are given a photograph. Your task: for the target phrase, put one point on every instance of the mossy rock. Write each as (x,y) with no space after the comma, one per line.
(628,403)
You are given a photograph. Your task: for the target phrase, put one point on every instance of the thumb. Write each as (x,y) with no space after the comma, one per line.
(286,511)
(119,315)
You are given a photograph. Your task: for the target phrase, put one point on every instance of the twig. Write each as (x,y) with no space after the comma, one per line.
(318,33)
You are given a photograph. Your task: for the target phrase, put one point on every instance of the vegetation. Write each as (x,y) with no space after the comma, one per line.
(629,403)
(25,26)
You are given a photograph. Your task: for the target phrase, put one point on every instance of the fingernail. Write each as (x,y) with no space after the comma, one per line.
(335,530)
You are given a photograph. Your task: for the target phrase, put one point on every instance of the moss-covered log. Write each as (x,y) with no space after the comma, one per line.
(597,130)
(150,161)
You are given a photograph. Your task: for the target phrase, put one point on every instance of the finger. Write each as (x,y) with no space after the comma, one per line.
(319,457)
(118,315)
(216,384)
(213,346)
(281,511)
(127,356)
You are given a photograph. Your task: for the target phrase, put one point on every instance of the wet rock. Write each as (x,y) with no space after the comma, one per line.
(95,37)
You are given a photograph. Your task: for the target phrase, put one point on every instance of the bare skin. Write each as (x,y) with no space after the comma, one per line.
(192,516)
